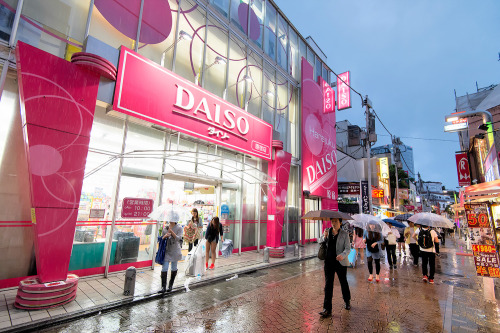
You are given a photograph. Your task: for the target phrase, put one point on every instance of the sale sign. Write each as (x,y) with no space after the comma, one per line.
(344,91)
(136,208)
(482,238)
(463,169)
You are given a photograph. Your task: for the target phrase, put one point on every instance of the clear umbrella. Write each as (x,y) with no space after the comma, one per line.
(431,220)
(165,212)
(369,223)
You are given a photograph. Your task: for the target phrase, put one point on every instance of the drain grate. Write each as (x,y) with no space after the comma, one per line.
(254,274)
(457,284)
(451,274)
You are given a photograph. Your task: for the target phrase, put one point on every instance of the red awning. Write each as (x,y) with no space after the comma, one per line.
(483,189)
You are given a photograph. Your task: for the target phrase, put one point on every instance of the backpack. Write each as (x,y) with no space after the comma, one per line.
(425,239)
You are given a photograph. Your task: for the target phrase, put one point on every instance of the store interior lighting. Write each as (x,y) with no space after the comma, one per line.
(182,36)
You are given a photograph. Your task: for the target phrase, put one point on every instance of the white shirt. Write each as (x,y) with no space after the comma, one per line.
(413,232)
(433,236)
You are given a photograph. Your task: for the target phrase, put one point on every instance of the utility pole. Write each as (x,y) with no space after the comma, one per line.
(368,105)
(397,159)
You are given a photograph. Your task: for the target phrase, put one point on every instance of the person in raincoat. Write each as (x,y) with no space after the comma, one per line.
(172,233)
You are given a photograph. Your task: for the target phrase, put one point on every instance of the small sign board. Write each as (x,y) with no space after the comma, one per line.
(137,208)
(225,228)
(97,213)
(224,209)
(457,125)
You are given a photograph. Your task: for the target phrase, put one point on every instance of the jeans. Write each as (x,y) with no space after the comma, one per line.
(330,270)
(370,265)
(391,254)
(428,257)
(164,267)
(415,252)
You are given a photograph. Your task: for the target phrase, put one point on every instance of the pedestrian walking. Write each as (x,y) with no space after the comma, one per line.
(374,243)
(172,233)
(338,248)
(195,226)
(391,242)
(443,236)
(426,238)
(214,229)
(401,242)
(412,242)
(359,243)
(436,244)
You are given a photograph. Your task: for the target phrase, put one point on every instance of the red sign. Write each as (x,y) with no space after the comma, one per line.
(377,193)
(328,97)
(319,149)
(344,91)
(150,92)
(136,208)
(463,169)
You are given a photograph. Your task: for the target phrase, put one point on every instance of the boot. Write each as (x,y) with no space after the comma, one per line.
(163,282)
(173,274)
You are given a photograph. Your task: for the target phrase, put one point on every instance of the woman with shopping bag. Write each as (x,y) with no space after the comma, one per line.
(172,235)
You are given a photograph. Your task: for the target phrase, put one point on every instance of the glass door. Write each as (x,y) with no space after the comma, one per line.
(311,226)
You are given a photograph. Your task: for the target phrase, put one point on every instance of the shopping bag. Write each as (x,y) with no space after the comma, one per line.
(352,257)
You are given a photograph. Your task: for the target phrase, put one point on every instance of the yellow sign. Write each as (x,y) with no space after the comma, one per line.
(33,217)
(384,167)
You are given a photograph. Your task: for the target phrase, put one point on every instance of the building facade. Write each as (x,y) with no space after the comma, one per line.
(242,54)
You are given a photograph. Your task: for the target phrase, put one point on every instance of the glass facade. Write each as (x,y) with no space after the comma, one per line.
(242,51)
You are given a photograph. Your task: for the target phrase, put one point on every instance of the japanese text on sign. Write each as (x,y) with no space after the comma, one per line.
(136,208)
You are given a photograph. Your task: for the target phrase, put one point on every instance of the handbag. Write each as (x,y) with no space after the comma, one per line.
(322,249)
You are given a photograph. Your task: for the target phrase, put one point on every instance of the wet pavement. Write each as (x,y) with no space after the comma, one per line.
(288,298)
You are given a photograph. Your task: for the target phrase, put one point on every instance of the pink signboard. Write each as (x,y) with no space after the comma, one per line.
(137,208)
(462,169)
(150,92)
(328,97)
(343,91)
(319,150)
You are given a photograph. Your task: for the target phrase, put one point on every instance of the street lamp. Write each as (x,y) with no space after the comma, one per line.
(182,36)
(218,60)
(246,78)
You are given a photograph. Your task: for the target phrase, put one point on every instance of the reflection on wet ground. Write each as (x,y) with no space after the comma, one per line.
(288,298)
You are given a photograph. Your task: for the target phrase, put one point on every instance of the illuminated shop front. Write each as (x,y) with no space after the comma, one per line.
(233,64)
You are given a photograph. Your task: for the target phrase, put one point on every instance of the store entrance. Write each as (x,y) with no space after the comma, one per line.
(312,227)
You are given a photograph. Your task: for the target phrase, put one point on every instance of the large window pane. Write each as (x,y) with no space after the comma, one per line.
(318,68)
(237,63)
(257,31)
(310,56)
(142,150)
(255,93)
(156,52)
(51,24)
(283,42)
(214,76)
(222,6)
(269,103)
(302,51)
(101,29)
(281,121)
(7,13)
(293,116)
(189,53)
(270,31)
(294,55)
(239,14)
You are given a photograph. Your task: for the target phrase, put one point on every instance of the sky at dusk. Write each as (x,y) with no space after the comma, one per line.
(408,57)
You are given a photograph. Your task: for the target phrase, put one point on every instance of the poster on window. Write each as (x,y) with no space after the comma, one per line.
(482,238)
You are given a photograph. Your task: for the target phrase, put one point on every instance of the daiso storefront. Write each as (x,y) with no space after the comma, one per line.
(109,112)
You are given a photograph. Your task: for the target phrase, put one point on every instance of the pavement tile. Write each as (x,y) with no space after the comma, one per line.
(5,324)
(22,320)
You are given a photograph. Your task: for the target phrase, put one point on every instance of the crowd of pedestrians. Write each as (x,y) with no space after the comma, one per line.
(423,242)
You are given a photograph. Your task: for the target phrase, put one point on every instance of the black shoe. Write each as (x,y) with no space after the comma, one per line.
(173,274)
(347,306)
(390,266)
(325,313)
(163,282)
(395,267)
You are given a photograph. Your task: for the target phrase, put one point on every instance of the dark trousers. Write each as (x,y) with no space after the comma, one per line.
(370,265)
(190,247)
(415,252)
(436,246)
(391,254)
(430,258)
(330,270)
(443,238)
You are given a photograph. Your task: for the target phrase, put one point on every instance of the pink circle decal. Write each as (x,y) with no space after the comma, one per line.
(254,21)
(45,160)
(124,16)
(313,133)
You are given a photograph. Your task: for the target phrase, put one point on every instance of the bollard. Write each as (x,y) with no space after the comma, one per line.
(296,249)
(129,284)
(266,254)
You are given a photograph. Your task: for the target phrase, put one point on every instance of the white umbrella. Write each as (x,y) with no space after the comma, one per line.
(431,220)
(369,223)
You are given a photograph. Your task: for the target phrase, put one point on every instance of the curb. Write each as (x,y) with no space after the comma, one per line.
(44,323)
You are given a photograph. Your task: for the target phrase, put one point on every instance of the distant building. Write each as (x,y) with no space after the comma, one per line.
(406,156)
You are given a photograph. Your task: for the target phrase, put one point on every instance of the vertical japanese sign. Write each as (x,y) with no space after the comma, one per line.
(328,97)
(462,169)
(343,91)
(384,167)
(319,149)
(482,238)
(365,201)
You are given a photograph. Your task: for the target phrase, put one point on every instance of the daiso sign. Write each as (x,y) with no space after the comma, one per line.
(150,92)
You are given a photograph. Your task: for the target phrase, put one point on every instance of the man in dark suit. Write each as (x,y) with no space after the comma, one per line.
(338,248)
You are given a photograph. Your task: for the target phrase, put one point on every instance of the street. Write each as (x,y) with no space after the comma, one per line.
(288,298)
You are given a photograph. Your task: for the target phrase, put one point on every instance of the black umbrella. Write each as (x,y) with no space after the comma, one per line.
(326,214)
(403,217)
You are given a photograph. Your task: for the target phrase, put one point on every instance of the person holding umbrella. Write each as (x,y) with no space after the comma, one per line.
(412,242)
(391,240)
(338,248)
(374,242)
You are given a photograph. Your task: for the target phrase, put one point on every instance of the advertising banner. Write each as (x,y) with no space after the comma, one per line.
(403,194)
(343,91)
(376,193)
(319,149)
(328,97)
(349,188)
(482,238)
(384,167)
(463,169)
(150,92)
(365,201)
